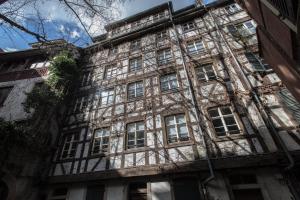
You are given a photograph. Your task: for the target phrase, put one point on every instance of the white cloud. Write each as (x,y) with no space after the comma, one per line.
(8,49)
(75,34)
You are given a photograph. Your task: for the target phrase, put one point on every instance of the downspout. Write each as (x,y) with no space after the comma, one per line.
(193,99)
(257,100)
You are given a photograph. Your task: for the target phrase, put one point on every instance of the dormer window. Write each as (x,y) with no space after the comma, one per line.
(189,26)
(233,8)
(158,16)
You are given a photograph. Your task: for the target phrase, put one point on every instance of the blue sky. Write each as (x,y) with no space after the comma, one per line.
(62,27)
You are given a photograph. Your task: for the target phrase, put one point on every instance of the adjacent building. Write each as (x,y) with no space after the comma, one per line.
(177,105)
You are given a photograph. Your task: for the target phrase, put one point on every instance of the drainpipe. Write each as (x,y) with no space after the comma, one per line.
(195,107)
(257,100)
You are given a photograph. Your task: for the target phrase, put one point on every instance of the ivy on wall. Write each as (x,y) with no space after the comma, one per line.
(45,103)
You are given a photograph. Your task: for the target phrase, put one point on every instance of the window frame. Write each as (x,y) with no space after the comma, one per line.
(224,125)
(189,26)
(113,72)
(165,60)
(101,149)
(73,144)
(169,86)
(162,35)
(207,78)
(177,126)
(135,145)
(135,90)
(137,60)
(230,10)
(107,97)
(195,46)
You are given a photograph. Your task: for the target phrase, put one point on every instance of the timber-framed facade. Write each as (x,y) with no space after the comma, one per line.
(177,104)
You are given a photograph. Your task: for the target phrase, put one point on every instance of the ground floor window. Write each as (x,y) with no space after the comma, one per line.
(137,191)
(59,194)
(245,187)
(95,192)
(186,189)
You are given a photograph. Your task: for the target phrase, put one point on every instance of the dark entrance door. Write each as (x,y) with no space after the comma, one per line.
(186,189)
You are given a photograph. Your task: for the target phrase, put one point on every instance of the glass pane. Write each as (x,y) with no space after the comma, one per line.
(140,135)
(170,120)
(213,113)
(180,119)
(171,130)
(140,126)
(217,122)
(233,128)
(131,127)
(220,131)
(183,132)
(225,111)
(229,120)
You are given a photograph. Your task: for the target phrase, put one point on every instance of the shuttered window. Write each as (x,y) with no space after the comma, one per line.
(291,103)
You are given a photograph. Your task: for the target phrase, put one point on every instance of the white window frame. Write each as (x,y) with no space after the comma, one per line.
(195,46)
(135,140)
(204,72)
(106,100)
(134,64)
(168,80)
(162,35)
(165,56)
(188,26)
(81,104)
(222,117)
(177,126)
(98,141)
(111,72)
(86,78)
(72,141)
(137,85)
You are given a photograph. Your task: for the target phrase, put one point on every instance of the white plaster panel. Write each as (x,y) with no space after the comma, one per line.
(140,158)
(115,162)
(128,160)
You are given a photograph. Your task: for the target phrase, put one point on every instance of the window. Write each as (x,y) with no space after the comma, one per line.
(95,192)
(111,72)
(135,90)
(160,36)
(244,187)
(291,103)
(176,128)
(116,31)
(70,145)
(205,72)
(188,26)
(101,141)
(257,65)
(137,191)
(195,47)
(158,16)
(86,78)
(81,104)
(4,92)
(135,135)
(223,121)
(113,50)
(135,64)
(135,45)
(187,188)
(136,24)
(107,97)
(168,82)
(244,29)
(164,56)
(233,8)
(59,194)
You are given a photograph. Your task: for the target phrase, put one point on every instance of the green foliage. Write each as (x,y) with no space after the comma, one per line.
(63,76)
